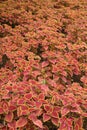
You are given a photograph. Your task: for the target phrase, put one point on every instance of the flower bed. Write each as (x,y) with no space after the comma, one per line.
(43,65)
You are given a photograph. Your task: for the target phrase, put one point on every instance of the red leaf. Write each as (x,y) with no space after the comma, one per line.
(35,73)
(76,127)
(38,123)
(4,128)
(38,104)
(41,96)
(44,64)
(54,114)
(46,117)
(64,111)
(38,112)
(5,107)
(48,108)
(55,121)
(64,73)
(57,109)
(22,110)
(84,79)
(28,95)
(12,124)
(21,122)
(45,128)
(1,126)
(6,96)
(79,122)
(44,88)
(12,108)
(63,126)
(20,102)
(9,117)
(1,111)
(32,117)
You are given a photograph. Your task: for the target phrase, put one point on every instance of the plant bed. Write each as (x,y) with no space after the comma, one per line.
(43,65)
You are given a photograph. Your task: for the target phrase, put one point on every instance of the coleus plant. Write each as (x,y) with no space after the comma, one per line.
(43,65)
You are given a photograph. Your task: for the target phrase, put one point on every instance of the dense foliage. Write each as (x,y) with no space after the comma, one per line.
(43,65)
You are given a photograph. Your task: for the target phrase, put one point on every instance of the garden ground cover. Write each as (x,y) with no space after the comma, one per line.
(43,65)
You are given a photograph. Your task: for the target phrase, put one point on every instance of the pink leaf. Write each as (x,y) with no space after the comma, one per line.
(22,110)
(76,127)
(38,104)
(44,64)
(32,117)
(1,111)
(38,123)
(20,101)
(46,117)
(41,96)
(1,126)
(79,122)
(12,124)
(5,107)
(21,122)
(48,108)
(44,88)
(9,117)
(12,108)
(55,121)
(28,95)
(64,111)
(54,114)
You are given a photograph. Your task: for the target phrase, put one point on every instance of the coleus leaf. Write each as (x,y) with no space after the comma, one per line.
(44,64)
(28,96)
(64,111)
(5,107)
(6,96)
(21,122)
(38,123)
(20,101)
(38,104)
(46,117)
(22,110)
(35,73)
(53,100)
(84,79)
(9,117)
(55,121)
(84,114)
(12,108)
(79,122)
(32,117)
(31,103)
(64,73)
(53,83)
(48,108)
(12,124)
(54,114)
(4,128)
(38,112)
(1,126)
(66,123)
(44,88)
(1,110)
(41,96)
(57,109)
(63,127)
(76,127)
